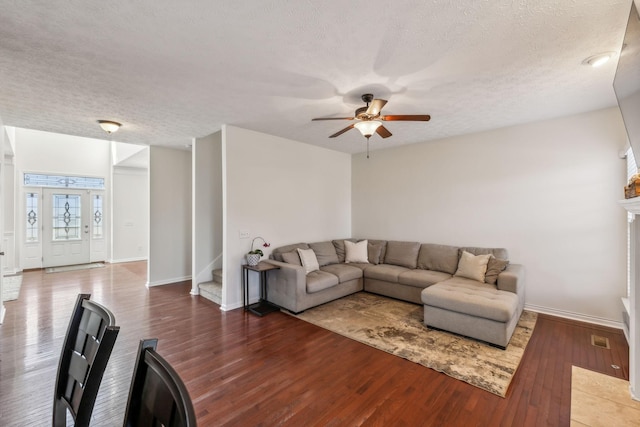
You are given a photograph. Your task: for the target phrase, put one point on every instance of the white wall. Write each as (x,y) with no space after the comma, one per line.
(207,207)
(130,194)
(282,190)
(10,259)
(546,191)
(44,152)
(3,139)
(169,216)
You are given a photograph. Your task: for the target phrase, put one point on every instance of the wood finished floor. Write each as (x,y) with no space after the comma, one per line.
(277,370)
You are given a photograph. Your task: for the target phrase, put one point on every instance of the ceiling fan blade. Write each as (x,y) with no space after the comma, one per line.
(410,118)
(375,107)
(383,132)
(333,118)
(342,131)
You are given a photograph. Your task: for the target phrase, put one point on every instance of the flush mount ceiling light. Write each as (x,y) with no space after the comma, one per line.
(109,126)
(599,59)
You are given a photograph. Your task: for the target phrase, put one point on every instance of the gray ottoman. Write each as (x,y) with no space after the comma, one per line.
(473,309)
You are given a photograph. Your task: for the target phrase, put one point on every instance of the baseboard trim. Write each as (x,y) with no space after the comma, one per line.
(167,281)
(575,316)
(2,312)
(229,307)
(123,260)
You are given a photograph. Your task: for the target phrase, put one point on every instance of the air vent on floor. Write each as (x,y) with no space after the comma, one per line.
(602,342)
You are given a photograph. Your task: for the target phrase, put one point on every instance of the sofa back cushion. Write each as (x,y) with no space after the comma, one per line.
(404,254)
(325,252)
(277,252)
(377,250)
(339,247)
(442,258)
(500,253)
(291,257)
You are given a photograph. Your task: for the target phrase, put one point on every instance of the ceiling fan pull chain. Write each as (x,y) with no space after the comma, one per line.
(367,147)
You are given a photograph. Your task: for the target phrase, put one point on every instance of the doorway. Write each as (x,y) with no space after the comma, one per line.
(72,227)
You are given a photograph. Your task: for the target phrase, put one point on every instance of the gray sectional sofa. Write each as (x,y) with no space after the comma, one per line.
(485,307)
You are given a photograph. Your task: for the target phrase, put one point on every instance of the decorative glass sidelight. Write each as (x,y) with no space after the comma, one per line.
(32,223)
(97,217)
(67,217)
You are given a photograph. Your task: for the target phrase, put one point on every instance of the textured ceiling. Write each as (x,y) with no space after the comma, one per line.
(170,71)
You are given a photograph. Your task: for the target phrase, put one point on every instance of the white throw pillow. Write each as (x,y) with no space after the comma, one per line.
(472,266)
(356,252)
(309,260)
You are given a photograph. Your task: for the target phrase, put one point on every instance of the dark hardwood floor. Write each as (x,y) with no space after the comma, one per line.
(277,370)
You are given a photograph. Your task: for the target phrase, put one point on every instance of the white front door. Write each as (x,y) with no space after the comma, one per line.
(66,227)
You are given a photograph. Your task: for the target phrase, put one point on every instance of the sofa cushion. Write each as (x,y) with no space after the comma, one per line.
(343,272)
(472,298)
(356,252)
(472,266)
(277,252)
(320,280)
(373,252)
(494,268)
(500,253)
(386,272)
(404,254)
(325,252)
(339,247)
(308,260)
(438,257)
(422,278)
(291,258)
(383,248)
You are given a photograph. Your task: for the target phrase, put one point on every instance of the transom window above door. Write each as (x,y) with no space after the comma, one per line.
(62,181)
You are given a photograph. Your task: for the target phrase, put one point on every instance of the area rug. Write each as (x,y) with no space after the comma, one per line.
(74,267)
(11,287)
(396,327)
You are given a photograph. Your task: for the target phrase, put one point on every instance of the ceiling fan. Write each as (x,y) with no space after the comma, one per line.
(370,120)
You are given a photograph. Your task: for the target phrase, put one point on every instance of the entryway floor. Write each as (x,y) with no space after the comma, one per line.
(601,400)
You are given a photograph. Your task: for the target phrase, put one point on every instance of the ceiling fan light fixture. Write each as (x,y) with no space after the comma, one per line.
(368,127)
(109,126)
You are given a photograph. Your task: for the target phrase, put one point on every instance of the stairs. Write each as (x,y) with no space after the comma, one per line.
(213,290)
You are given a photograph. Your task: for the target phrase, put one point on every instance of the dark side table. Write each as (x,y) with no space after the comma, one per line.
(263,306)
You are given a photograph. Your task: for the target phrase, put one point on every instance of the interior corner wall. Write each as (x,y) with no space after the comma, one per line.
(130,210)
(282,190)
(169,216)
(546,191)
(207,207)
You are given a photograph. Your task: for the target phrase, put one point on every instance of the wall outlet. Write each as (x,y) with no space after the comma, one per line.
(243,234)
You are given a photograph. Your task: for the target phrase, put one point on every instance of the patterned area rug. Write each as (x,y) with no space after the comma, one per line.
(396,327)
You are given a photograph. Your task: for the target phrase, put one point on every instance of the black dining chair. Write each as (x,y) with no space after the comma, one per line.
(87,346)
(157,396)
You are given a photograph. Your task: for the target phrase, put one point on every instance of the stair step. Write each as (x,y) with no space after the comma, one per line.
(211,291)
(217,275)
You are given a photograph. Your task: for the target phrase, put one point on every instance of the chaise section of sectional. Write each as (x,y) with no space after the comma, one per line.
(475,309)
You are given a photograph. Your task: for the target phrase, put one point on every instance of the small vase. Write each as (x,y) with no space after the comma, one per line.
(253,259)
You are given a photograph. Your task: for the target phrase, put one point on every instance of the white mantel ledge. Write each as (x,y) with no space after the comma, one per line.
(632,205)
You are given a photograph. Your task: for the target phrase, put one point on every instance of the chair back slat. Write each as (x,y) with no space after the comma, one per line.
(87,347)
